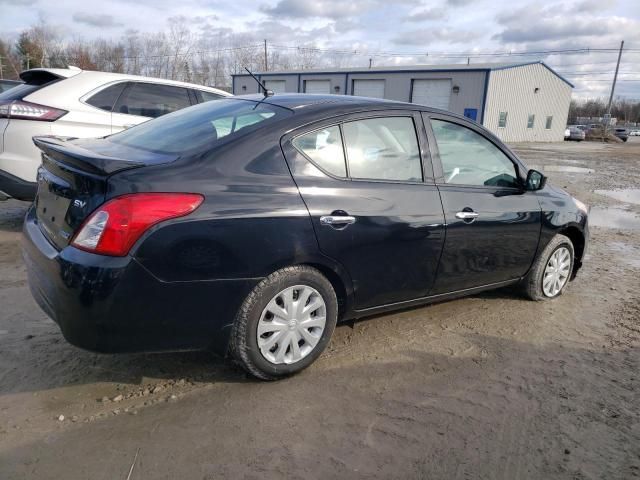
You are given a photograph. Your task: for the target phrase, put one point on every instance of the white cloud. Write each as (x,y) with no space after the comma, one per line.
(96,20)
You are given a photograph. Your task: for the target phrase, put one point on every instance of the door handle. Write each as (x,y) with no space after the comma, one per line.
(467,217)
(337,220)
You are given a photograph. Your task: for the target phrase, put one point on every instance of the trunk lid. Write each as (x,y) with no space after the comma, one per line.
(73,181)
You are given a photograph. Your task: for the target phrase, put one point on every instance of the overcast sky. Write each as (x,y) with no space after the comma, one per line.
(370,26)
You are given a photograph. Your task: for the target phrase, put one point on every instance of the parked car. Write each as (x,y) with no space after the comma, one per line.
(634,133)
(573,132)
(621,133)
(7,84)
(252,225)
(76,103)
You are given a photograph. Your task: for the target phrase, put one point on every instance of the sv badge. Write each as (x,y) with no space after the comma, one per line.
(79,203)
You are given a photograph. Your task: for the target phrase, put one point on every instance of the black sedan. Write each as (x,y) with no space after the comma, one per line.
(252,225)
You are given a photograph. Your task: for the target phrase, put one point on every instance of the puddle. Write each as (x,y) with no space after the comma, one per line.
(613,218)
(628,253)
(566,169)
(627,195)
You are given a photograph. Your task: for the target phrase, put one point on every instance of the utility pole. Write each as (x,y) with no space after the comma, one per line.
(370,62)
(28,61)
(1,68)
(266,65)
(615,78)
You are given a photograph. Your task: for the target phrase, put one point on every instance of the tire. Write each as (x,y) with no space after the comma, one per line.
(251,350)
(533,287)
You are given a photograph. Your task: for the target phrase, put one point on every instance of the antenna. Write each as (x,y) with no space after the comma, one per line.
(267,93)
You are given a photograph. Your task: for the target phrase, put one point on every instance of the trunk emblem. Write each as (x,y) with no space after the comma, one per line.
(79,203)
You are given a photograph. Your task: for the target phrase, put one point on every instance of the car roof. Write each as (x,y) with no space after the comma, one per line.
(313,103)
(107,77)
(110,77)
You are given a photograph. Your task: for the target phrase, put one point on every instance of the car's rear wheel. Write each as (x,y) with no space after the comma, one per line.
(285,323)
(551,272)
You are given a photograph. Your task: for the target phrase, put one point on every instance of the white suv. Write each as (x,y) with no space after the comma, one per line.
(76,103)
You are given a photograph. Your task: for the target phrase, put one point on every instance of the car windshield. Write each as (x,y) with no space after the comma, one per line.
(195,127)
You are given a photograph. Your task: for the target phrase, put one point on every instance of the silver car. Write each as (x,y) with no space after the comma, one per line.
(574,133)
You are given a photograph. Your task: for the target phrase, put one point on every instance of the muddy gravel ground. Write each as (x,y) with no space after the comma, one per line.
(491,386)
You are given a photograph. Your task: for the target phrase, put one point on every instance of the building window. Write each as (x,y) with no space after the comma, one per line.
(531,121)
(502,120)
(549,122)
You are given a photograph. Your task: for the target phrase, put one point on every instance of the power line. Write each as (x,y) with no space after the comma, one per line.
(585,50)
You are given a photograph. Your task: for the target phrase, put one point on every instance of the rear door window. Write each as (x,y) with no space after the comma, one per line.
(152,99)
(106,98)
(324,148)
(204,96)
(383,149)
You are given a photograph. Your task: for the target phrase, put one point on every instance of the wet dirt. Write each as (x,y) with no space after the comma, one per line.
(612,217)
(490,386)
(627,195)
(565,168)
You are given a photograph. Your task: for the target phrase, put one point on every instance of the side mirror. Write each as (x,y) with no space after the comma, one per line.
(535,181)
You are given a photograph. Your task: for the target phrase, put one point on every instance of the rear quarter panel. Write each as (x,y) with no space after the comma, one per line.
(252,222)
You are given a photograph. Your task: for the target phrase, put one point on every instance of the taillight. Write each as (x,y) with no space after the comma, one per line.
(115,226)
(30,111)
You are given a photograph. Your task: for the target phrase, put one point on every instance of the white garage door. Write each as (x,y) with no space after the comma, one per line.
(432,93)
(317,86)
(368,88)
(276,86)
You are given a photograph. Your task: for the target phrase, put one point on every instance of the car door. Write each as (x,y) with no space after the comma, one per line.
(367,182)
(142,101)
(493,224)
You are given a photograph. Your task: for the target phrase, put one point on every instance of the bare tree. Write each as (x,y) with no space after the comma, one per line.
(203,56)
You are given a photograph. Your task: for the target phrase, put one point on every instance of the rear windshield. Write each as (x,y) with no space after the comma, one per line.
(19,92)
(198,126)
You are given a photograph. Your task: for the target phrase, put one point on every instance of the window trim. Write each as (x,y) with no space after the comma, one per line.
(521,168)
(549,122)
(426,156)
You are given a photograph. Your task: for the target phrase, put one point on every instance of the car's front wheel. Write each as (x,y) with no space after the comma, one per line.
(285,323)
(551,271)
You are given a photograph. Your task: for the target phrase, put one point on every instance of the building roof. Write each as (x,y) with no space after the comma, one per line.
(411,68)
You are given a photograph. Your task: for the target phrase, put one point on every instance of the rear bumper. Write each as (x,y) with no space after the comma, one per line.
(109,304)
(14,187)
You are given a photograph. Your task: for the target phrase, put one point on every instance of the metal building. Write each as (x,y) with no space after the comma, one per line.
(519,102)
